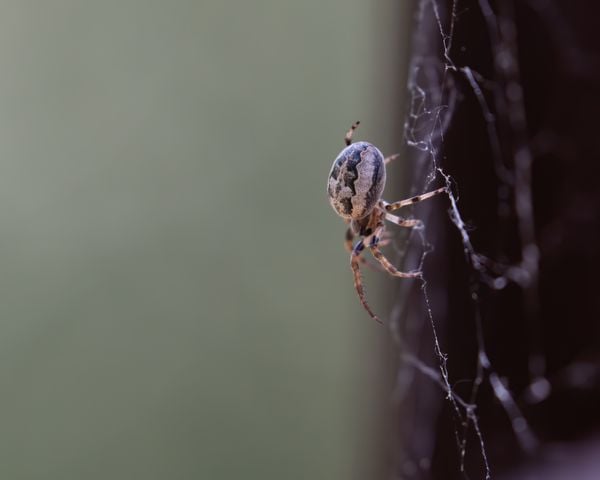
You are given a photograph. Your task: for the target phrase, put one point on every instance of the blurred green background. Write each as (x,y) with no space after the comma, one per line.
(175,299)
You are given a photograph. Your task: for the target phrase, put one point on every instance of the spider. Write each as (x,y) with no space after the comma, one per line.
(355,186)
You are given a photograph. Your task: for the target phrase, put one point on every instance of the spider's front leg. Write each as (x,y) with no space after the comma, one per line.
(354,264)
(385,263)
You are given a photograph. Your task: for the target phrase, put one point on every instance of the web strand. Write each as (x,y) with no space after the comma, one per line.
(433,98)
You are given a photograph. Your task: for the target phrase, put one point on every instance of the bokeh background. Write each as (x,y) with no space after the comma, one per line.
(175,301)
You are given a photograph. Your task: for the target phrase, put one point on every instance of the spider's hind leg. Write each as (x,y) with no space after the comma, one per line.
(403,222)
(410,201)
(348,136)
(391,158)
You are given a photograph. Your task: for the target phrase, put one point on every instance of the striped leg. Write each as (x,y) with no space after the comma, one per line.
(403,222)
(348,136)
(378,254)
(376,267)
(391,158)
(354,263)
(410,201)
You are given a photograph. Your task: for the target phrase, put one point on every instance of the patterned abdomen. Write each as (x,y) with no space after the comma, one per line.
(356,180)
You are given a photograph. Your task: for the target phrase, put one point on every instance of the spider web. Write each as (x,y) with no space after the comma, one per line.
(440,80)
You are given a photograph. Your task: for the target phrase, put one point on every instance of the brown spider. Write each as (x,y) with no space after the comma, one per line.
(355,186)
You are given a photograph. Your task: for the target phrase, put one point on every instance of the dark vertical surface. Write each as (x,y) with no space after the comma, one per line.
(546,351)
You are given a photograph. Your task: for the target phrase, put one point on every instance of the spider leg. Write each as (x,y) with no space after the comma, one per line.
(348,136)
(364,261)
(403,222)
(380,257)
(410,201)
(391,158)
(348,245)
(354,264)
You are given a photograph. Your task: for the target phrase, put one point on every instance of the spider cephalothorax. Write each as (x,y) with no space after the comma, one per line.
(355,186)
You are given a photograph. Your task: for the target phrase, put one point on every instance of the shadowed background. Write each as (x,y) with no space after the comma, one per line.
(175,299)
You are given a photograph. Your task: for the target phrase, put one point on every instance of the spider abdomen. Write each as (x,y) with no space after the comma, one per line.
(356,180)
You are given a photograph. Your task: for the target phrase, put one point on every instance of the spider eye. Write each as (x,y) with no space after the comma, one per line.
(356,180)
